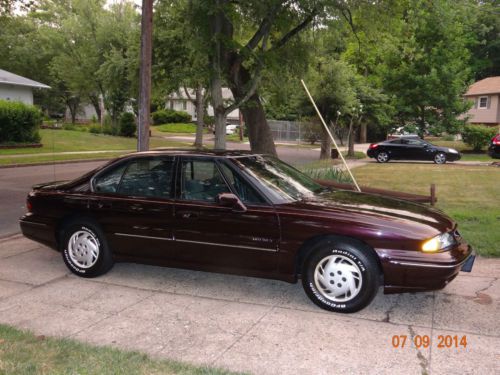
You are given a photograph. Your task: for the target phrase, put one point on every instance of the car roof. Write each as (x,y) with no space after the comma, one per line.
(190,152)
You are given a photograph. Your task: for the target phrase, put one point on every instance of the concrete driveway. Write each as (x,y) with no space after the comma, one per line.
(247,324)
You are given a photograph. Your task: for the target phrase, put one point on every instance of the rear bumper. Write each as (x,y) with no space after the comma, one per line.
(38,230)
(406,271)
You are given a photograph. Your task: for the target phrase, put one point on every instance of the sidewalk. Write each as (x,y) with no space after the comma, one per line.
(247,324)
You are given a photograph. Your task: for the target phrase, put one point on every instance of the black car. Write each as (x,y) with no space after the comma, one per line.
(494,149)
(411,149)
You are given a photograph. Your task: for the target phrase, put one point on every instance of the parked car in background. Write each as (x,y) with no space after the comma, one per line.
(246,214)
(231,129)
(411,148)
(494,149)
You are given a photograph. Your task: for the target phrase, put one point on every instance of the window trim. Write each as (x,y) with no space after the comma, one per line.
(479,102)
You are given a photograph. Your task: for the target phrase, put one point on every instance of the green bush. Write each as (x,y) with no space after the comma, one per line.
(19,122)
(127,125)
(477,136)
(109,130)
(69,127)
(169,116)
(95,129)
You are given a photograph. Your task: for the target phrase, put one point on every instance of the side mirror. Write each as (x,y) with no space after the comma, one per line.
(232,201)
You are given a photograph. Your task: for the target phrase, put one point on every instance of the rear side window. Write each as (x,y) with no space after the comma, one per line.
(245,192)
(201,181)
(147,177)
(109,181)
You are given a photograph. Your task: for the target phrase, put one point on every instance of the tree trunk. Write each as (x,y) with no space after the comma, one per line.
(259,133)
(96,103)
(352,135)
(219,113)
(200,113)
(326,145)
(363,132)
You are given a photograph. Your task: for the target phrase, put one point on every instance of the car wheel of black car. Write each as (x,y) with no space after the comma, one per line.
(341,275)
(382,157)
(440,158)
(85,250)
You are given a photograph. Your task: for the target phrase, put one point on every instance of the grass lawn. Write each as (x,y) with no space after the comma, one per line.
(58,141)
(467,194)
(176,128)
(24,353)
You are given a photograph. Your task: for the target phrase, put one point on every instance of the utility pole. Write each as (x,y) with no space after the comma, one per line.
(145,75)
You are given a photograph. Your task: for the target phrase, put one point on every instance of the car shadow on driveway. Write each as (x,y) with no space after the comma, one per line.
(248,324)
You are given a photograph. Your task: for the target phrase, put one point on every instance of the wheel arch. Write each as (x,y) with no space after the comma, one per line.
(311,243)
(67,220)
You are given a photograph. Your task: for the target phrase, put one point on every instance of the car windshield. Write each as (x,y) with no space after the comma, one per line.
(281,182)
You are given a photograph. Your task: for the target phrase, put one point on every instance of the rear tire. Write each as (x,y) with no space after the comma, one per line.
(341,275)
(382,157)
(85,250)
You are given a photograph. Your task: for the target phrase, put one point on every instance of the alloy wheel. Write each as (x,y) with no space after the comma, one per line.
(440,158)
(382,157)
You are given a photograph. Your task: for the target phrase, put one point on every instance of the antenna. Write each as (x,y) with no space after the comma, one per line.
(330,134)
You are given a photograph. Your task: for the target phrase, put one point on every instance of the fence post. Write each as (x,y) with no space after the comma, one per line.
(433,194)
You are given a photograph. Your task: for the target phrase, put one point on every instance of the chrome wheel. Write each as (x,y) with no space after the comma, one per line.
(83,249)
(382,157)
(338,278)
(440,158)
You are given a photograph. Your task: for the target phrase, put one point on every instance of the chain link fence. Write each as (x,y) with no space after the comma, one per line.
(299,132)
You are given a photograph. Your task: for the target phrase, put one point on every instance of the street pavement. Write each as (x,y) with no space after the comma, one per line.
(253,325)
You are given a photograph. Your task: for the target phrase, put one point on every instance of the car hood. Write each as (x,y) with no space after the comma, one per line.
(446,149)
(376,213)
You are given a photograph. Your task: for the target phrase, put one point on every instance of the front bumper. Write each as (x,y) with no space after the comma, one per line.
(411,271)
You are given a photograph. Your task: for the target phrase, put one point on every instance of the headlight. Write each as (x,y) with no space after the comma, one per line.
(437,243)
(452,151)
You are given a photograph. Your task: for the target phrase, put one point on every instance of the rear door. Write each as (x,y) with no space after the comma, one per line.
(134,204)
(220,238)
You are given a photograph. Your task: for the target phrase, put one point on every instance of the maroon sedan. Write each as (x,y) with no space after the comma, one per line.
(249,215)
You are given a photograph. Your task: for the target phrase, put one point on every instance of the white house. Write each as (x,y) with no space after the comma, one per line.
(17,88)
(180,102)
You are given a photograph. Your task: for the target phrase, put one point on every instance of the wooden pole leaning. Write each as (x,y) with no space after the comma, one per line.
(330,135)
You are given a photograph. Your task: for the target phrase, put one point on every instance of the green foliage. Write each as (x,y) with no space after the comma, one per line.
(477,136)
(177,128)
(127,125)
(167,116)
(95,129)
(19,122)
(330,173)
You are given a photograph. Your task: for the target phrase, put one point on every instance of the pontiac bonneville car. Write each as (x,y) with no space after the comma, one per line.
(246,214)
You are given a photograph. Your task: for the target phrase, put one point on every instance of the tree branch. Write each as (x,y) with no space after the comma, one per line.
(187,94)
(251,90)
(264,28)
(289,35)
(348,16)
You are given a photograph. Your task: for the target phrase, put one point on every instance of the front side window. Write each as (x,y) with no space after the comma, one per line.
(281,182)
(201,181)
(243,189)
(147,177)
(483,102)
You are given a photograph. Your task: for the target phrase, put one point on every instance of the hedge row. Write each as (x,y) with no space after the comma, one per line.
(170,116)
(19,122)
(478,136)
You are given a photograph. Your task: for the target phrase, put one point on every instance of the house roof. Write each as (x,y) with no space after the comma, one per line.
(490,85)
(13,79)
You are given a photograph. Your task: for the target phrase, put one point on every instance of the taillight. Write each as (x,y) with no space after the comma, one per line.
(373,145)
(29,206)
(496,139)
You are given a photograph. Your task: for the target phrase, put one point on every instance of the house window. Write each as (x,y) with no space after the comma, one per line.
(483,102)
(184,105)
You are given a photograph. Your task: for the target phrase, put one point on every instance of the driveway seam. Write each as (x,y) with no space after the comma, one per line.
(432,330)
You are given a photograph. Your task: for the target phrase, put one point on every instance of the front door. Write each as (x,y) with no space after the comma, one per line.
(220,238)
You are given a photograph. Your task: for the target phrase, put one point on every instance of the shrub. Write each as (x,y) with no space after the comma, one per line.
(108,129)
(95,129)
(168,116)
(477,136)
(127,125)
(69,127)
(19,122)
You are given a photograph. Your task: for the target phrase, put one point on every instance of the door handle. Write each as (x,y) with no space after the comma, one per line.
(136,207)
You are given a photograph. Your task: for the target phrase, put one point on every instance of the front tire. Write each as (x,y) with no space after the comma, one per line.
(382,157)
(440,158)
(341,275)
(85,250)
